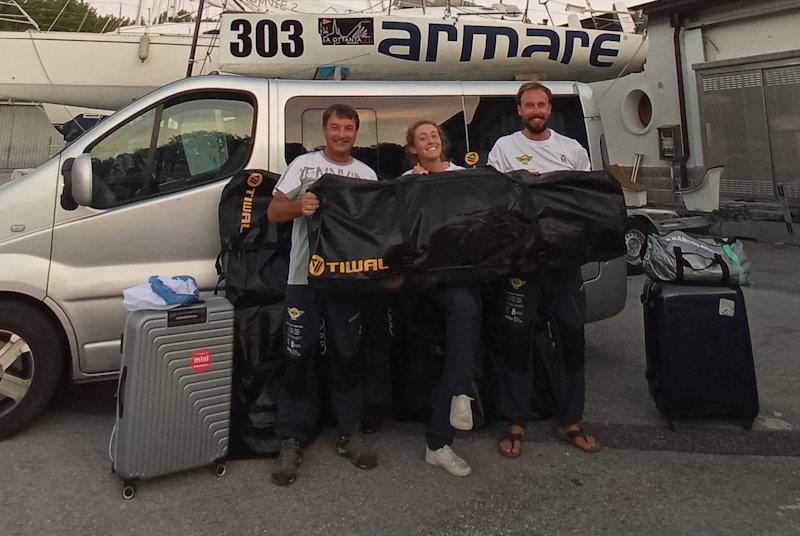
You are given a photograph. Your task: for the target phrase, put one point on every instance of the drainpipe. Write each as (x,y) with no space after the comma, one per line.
(677,24)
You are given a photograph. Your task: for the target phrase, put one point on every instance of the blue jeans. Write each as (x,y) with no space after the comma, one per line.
(462,312)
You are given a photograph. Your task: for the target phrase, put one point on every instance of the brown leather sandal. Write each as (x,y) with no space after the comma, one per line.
(512,438)
(571,437)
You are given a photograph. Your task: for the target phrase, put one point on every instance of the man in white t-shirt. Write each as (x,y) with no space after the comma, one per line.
(517,302)
(306,307)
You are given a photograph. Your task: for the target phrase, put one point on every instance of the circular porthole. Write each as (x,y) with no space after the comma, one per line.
(637,111)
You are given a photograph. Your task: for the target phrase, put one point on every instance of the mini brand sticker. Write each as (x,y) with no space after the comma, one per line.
(727,307)
(201,360)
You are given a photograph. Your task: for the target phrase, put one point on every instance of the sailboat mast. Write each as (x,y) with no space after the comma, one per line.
(197,22)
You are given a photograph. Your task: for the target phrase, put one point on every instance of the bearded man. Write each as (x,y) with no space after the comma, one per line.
(515,304)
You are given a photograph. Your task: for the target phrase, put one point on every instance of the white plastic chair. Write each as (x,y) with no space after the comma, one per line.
(635,193)
(705,196)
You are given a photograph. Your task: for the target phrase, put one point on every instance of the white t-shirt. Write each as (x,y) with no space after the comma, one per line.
(556,153)
(298,177)
(450,167)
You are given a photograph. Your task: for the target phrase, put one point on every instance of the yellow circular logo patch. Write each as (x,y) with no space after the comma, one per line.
(316,266)
(254,180)
(471,158)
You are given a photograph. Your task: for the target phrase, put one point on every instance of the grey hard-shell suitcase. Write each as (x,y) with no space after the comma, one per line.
(174,394)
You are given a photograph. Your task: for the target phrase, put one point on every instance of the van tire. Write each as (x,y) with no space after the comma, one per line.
(636,232)
(40,364)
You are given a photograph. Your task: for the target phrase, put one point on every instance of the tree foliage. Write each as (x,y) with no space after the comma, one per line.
(78,16)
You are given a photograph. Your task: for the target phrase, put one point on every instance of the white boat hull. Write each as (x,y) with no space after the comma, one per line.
(92,70)
(394,47)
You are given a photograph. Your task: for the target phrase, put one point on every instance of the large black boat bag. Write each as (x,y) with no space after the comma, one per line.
(254,256)
(459,227)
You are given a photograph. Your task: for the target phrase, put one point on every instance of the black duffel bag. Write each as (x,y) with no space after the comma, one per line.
(582,216)
(459,227)
(254,256)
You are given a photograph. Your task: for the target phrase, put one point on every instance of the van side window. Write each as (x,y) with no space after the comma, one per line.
(175,146)
(381,136)
(491,117)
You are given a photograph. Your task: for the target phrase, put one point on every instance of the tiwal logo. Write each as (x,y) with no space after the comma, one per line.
(253,181)
(524,159)
(318,265)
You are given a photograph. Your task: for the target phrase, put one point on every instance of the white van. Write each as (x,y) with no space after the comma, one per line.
(137,196)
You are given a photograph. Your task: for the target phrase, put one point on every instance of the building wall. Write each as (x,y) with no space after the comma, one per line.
(27,139)
(616,99)
(734,30)
(764,33)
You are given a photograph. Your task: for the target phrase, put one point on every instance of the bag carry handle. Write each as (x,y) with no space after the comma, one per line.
(737,263)
(681,262)
(123,379)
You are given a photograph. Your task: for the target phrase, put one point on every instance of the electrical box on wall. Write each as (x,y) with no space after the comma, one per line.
(670,145)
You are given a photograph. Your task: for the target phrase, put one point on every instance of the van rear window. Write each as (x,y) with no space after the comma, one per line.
(491,117)
(471,124)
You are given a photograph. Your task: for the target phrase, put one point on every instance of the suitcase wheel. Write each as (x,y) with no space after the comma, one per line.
(747,424)
(128,491)
(220,469)
(671,425)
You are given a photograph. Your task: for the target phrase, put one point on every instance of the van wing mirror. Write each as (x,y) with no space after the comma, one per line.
(81,182)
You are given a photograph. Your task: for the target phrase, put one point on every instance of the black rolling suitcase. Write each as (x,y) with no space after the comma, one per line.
(699,355)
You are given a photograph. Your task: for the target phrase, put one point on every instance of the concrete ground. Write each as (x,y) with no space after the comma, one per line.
(706,478)
(618,401)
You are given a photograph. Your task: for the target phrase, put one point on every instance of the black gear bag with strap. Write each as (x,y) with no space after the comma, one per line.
(254,259)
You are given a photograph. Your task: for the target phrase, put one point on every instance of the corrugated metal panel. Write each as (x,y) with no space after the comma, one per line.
(736,132)
(751,122)
(27,139)
(782,96)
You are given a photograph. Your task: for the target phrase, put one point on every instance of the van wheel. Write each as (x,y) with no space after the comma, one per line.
(31,361)
(636,232)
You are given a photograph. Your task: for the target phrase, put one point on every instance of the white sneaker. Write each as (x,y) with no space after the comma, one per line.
(461,412)
(447,460)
